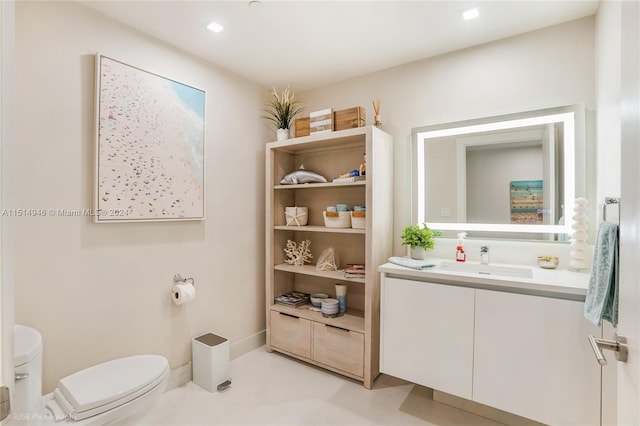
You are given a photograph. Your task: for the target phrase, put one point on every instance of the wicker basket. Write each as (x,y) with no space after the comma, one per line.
(337,219)
(358,220)
(296,216)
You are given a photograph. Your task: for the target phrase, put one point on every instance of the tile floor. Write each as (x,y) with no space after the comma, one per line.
(272,389)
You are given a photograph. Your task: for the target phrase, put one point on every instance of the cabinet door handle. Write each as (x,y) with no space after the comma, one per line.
(338,328)
(289,315)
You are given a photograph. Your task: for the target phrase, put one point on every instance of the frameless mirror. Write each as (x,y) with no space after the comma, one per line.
(508,174)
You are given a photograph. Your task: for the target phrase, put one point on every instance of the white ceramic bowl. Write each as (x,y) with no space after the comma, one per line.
(329,306)
(317,298)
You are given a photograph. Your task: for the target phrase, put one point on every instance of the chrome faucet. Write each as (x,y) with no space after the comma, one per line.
(484,255)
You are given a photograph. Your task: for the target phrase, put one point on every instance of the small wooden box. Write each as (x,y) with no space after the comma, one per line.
(321,121)
(302,127)
(349,118)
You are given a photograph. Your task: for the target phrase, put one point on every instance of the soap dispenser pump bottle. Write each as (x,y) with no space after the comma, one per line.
(461,256)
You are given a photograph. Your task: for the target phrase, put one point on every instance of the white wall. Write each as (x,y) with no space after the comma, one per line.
(101,291)
(546,68)
(607,43)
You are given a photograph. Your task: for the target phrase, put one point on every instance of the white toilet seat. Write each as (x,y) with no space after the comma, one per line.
(107,386)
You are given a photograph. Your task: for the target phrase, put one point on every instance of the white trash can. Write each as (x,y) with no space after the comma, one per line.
(210,362)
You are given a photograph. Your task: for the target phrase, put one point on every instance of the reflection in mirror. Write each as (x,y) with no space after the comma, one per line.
(511,174)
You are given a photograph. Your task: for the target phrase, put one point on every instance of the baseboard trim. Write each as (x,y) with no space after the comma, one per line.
(180,376)
(248,344)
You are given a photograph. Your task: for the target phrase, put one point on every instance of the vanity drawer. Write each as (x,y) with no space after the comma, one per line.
(291,334)
(339,348)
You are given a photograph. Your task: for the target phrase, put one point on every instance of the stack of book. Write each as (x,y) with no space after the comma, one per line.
(293,298)
(354,270)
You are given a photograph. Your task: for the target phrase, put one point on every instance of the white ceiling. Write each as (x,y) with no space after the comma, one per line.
(309,44)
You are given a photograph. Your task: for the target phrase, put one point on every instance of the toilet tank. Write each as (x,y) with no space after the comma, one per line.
(25,407)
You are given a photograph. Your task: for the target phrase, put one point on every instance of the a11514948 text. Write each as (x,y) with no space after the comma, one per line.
(33,212)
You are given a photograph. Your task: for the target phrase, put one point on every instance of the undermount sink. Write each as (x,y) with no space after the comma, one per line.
(475,268)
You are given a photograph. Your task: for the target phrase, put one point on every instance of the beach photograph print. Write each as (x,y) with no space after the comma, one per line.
(150,146)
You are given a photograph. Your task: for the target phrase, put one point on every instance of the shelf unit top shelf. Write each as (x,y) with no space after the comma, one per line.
(352,320)
(311,270)
(323,140)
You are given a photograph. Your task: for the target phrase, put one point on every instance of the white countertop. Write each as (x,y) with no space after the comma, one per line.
(551,282)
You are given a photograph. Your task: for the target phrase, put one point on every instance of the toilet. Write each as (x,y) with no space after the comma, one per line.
(27,362)
(114,392)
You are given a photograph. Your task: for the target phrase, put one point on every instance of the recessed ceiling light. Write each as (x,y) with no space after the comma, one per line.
(255,4)
(471,14)
(215,27)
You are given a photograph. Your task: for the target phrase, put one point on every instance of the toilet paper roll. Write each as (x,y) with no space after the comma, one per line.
(183,293)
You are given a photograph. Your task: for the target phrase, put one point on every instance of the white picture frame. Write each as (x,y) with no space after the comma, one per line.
(150,140)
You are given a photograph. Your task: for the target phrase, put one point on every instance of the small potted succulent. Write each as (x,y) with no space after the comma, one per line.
(420,238)
(281,110)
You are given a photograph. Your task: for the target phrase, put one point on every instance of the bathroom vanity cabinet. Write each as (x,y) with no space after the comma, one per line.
(347,344)
(519,351)
(427,334)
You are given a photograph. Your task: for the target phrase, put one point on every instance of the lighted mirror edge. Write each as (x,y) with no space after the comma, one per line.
(501,125)
(569,166)
(493,227)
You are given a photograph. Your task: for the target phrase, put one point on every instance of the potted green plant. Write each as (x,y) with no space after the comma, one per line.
(420,238)
(281,110)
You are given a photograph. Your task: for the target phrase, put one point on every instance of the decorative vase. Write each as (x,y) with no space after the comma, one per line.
(341,295)
(577,255)
(418,253)
(282,134)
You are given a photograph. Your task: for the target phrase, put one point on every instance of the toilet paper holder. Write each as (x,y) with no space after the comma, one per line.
(177,278)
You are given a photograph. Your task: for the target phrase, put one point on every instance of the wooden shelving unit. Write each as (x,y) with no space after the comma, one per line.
(348,344)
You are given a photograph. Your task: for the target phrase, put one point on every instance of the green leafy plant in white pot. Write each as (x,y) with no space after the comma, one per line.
(281,110)
(420,238)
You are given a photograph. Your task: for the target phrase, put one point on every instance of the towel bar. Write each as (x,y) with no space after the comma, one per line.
(607,201)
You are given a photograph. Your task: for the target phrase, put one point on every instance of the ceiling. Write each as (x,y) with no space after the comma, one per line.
(310,44)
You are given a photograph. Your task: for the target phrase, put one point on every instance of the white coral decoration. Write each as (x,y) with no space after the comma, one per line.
(298,254)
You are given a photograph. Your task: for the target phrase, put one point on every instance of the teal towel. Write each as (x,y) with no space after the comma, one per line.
(411,263)
(602,295)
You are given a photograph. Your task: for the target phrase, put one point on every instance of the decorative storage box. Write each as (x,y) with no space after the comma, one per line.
(296,216)
(358,220)
(321,121)
(337,219)
(349,118)
(302,127)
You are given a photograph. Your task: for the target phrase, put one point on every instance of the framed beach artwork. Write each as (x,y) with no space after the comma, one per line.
(150,146)
(526,198)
